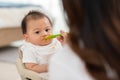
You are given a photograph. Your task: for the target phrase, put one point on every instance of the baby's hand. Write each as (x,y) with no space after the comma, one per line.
(63,38)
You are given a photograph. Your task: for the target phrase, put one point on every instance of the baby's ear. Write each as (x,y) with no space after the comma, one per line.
(26,37)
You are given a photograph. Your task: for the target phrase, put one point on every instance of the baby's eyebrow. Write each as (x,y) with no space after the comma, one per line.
(36,29)
(48,27)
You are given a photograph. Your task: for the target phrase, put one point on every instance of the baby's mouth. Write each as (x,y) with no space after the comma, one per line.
(47,37)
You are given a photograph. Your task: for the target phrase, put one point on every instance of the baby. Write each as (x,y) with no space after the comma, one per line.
(36,49)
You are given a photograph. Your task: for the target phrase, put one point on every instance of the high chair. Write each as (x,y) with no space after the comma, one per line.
(26,74)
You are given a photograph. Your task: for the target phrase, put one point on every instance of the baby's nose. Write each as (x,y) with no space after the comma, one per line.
(44,33)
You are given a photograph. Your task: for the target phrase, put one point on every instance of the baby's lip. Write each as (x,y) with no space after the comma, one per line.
(46,37)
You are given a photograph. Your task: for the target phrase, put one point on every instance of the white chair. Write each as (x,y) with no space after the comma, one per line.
(25,73)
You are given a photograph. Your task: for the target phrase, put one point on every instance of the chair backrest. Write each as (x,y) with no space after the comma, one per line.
(25,73)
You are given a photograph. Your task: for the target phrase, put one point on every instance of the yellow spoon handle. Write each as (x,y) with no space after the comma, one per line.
(53,36)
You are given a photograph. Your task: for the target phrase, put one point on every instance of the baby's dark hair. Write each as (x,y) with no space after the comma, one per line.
(32,15)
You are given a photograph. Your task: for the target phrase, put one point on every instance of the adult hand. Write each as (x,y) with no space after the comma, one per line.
(63,38)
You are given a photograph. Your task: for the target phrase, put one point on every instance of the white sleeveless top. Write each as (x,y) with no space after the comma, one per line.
(39,54)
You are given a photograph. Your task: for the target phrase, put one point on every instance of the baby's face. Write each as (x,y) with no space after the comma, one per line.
(37,30)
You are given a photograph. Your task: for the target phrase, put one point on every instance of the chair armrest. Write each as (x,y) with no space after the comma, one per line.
(33,75)
(25,73)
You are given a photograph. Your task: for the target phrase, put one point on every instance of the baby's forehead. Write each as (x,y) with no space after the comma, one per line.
(39,24)
(36,18)
(45,19)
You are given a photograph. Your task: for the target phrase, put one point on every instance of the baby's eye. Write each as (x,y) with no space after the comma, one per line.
(47,30)
(37,32)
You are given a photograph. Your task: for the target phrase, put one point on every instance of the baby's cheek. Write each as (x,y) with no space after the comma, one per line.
(37,41)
